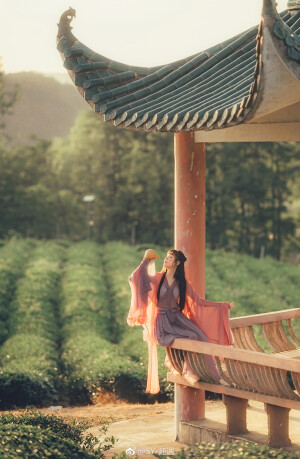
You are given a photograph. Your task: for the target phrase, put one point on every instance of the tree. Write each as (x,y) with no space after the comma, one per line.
(7,98)
(130,173)
(248,187)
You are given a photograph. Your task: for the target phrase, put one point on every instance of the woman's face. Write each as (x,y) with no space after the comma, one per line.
(170,261)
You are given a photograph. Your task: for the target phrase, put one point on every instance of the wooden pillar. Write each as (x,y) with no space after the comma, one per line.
(190,239)
(278,425)
(236,414)
(190,206)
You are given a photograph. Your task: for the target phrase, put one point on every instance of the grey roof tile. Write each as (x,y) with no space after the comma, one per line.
(209,90)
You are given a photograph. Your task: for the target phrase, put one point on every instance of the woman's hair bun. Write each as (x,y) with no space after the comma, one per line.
(181,257)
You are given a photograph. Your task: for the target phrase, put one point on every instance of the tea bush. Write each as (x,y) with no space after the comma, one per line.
(35,435)
(29,359)
(90,360)
(63,311)
(236,449)
(13,257)
(255,286)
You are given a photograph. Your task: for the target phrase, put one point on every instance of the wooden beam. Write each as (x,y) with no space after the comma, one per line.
(259,358)
(248,132)
(220,389)
(257,319)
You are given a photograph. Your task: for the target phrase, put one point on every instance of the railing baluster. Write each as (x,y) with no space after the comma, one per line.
(234,375)
(252,341)
(267,381)
(288,345)
(173,359)
(292,333)
(296,381)
(268,333)
(251,370)
(238,342)
(200,365)
(191,356)
(241,368)
(223,371)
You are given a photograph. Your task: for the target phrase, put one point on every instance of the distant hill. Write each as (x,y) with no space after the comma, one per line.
(45,107)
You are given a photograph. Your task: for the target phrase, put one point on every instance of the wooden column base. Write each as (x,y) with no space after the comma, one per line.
(236,414)
(278,425)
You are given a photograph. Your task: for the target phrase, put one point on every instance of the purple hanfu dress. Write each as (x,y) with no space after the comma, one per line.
(163,321)
(170,322)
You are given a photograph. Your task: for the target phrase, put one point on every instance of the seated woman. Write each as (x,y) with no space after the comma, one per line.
(168,308)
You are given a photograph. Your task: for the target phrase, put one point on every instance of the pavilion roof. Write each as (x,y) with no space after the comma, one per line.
(213,89)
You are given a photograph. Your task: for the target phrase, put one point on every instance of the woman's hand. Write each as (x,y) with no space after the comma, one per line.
(150,255)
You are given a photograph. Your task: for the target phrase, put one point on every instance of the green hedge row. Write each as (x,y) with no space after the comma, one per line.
(29,362)
(255,286)
(74,299)
(13,257)
(34,435)
(90,359)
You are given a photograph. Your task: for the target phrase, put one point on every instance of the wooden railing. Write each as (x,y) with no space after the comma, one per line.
(272,326)
(246,370)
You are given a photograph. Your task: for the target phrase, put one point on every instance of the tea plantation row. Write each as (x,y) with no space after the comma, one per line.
(63,309)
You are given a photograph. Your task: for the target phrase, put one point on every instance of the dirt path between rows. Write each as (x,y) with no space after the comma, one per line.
(111,411)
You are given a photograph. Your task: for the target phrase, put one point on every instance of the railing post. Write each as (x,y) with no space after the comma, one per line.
(189,406)
(236,414)
(190,238)
(278,425)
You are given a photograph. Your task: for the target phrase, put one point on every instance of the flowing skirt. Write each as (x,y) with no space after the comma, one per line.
(171,324)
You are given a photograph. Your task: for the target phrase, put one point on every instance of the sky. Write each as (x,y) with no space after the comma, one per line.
(135,32)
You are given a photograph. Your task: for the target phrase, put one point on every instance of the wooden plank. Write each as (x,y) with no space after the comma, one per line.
(295,354)
(220,389)
(257,319)
(270,360)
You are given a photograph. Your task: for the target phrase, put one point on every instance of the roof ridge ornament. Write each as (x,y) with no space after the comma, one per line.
(269,8)
(64,25)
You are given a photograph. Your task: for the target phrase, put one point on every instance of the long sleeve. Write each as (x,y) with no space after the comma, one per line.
(144,282)
(138,309)
(142,285)
(211,317)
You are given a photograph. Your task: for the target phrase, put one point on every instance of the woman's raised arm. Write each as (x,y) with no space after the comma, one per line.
(143,283)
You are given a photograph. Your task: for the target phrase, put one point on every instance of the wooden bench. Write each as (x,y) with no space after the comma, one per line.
(248,371)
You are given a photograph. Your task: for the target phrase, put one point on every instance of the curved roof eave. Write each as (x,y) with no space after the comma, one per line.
(213,89)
